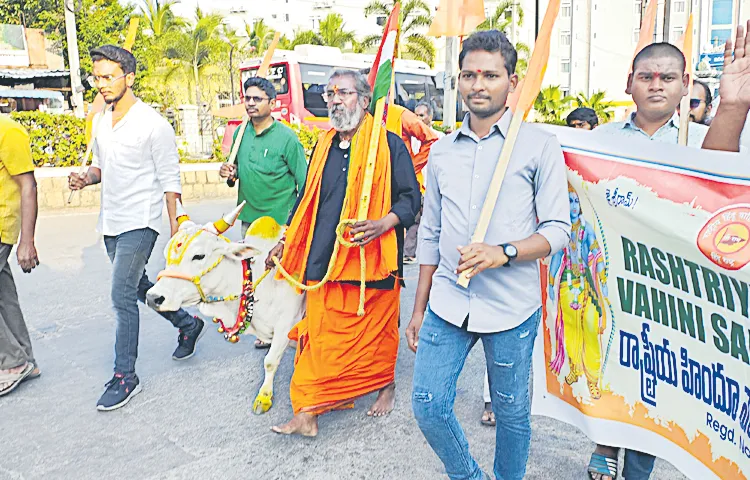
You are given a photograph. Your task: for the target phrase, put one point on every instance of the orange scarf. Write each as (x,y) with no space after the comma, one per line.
(380,254)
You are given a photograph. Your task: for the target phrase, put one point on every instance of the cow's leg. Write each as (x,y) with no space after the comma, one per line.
(264,400)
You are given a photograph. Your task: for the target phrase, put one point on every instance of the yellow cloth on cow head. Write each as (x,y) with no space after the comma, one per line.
(380,254)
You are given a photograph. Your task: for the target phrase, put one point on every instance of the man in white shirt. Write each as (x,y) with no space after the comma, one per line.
(136,161)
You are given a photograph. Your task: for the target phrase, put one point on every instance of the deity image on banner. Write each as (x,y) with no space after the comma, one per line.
(579,295)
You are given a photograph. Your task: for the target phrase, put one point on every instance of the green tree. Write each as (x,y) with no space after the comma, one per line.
(159,18)
(502,19)
(259,37)
(415,16)
(550,105)
(603,108)
(30,13)
(195,49)
(332,33)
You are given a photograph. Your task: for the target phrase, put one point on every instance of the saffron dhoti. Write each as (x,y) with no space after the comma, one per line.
(341,356)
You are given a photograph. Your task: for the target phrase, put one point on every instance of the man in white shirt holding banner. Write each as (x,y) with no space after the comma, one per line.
(136,161)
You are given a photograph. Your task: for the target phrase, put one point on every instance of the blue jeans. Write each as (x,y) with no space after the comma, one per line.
(638,465)
(441,355)
(129,253)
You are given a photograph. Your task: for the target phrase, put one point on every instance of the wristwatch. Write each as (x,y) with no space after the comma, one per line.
(510,251)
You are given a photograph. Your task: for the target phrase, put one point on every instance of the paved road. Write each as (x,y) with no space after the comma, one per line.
(193,420)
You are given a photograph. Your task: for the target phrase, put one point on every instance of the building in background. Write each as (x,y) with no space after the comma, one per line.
(32,75)
(591,49)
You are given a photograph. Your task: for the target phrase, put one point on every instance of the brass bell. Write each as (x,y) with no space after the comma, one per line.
(220,330)
(234,339)
(216,320)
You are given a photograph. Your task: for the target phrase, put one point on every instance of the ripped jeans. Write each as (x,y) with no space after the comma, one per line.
(441,355)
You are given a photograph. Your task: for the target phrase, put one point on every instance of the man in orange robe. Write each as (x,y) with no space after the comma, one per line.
(348,344)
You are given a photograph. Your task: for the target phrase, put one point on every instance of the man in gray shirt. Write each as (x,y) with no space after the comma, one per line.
(501,306)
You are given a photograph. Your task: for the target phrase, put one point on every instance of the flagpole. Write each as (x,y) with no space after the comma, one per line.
(450,82)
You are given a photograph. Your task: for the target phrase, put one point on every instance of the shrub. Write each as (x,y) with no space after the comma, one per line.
(56,140)
(308,137)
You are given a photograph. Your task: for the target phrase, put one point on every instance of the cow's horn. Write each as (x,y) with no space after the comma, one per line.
(181,214)
(223,224)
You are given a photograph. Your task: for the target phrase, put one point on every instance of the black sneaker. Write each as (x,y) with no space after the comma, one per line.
(187,340)
(118,392)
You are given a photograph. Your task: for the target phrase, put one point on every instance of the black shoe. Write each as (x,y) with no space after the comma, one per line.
(187,340)
(119,392)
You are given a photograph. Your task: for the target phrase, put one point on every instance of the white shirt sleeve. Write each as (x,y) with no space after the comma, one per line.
(166,159)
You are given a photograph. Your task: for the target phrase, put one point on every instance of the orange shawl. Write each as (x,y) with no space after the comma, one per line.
(380,254)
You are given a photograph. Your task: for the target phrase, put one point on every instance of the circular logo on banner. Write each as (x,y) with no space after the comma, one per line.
(725,236)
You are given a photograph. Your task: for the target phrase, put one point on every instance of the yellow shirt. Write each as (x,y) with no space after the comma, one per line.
(15,159)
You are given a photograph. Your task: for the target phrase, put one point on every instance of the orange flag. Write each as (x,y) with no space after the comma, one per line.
(455,18)
(522,100)
(687,50)
(648,25)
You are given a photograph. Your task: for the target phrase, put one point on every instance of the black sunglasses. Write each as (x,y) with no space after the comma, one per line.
(694,102)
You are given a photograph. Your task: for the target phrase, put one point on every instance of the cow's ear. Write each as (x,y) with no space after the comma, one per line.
(239,251)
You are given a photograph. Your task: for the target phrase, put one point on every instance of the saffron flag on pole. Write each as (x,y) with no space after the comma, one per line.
(381,73)
(522,99)
(455,18)
(645,37)
(687,50)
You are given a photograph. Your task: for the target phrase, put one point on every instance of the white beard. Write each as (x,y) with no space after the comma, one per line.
(343,120)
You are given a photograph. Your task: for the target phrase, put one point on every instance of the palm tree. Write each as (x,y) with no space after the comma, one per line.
(551,103)
(193,49)
(305,37)
(604,109)
(502,19)
(415,15)
(159,17)
(259,36)
(331,32)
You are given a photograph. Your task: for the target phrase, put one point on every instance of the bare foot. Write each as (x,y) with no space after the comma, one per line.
(303,424)
(20,369)
(385,402)
(609,452)
(488,416)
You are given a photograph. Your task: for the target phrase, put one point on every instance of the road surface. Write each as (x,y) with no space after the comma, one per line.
(193,419)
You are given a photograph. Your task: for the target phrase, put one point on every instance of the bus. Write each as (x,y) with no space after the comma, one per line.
(300,77)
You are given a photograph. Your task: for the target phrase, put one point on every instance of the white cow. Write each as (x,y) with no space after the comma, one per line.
(206,269)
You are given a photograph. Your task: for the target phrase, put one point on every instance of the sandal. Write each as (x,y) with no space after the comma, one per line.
(488,417)
(603,465)
(261,345)
(15,379)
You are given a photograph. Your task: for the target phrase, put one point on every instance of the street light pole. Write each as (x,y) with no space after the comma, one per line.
(450,98)
(76,97)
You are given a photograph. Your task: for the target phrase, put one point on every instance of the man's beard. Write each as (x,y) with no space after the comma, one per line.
(486,111)
(118,96)
(343,119)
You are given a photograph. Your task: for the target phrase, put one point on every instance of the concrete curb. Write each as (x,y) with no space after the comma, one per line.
(199,181)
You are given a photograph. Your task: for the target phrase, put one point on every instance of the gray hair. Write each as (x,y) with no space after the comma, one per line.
(360,81)
(428,106)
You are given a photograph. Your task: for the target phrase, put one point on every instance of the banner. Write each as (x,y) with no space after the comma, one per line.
(645,338)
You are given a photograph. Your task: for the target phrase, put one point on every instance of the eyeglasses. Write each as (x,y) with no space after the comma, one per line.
(103,82)
(694,102)
(255,99)
(343,93)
